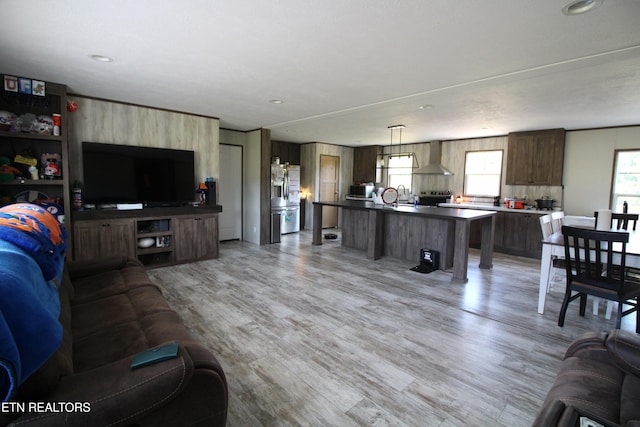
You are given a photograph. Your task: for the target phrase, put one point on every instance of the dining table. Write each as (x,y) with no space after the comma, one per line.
(553,246)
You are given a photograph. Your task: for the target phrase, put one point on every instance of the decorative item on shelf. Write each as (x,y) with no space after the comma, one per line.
(163,241)
(51,164)
(38,87)
(459,199)
(8,172)
(77,195)
(10,83)
(72,106)
(43,125)
(27,122)
(33,171)
(7,121)
(57,124)
(24,85)
(146,242)
(202,191)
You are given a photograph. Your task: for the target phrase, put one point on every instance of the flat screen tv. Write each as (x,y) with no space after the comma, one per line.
(128,174)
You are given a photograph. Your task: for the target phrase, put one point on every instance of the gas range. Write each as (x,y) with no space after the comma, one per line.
(433,198)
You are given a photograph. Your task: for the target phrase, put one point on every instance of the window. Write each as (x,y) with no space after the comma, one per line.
(626,181)
(482,172)
(400,172)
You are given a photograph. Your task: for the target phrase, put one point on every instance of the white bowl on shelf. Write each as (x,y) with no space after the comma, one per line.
(147,242)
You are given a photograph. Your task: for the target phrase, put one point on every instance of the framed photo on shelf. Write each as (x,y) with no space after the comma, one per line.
(37,87)
(10,83)
(24,85)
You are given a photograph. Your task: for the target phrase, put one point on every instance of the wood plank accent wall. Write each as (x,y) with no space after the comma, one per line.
(118,123)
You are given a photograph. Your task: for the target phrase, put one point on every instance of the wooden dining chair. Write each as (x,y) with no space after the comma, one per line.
(624,221)
(557,221)
(557,267)
(621,221)
(590,270)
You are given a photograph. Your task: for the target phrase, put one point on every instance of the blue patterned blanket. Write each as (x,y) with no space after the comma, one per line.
(32,249)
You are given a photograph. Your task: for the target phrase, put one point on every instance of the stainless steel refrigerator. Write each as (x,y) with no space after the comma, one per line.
(285,196)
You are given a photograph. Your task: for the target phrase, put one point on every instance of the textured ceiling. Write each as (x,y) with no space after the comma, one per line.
(345,70)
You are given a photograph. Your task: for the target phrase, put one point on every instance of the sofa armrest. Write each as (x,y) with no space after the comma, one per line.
(114,394)
(590,345)
(85,268)
(624,347)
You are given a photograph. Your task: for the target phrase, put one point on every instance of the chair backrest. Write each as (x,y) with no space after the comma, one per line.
(621,221)
(590,258)
(557,221)
(545,226)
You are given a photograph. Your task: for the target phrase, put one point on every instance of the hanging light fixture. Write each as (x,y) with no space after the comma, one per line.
(390,154)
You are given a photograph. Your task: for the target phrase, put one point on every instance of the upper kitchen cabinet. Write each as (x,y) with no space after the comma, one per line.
(535,158)
(364,163)
(286,151)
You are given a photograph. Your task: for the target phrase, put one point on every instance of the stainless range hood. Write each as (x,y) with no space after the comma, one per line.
(434,167)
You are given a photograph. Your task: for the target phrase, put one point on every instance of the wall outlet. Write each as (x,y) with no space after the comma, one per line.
(255,229)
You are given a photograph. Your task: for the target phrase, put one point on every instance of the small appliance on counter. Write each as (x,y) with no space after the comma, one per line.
(434,198)
(545,202)
(515,203)
(360,191)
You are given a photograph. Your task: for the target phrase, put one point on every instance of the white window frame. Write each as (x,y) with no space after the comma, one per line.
(628,191)
(400,172)
(480,171)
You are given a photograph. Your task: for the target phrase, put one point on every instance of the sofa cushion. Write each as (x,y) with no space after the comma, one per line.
(104,283)
(118,326)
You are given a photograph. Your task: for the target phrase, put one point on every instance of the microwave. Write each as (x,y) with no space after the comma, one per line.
(365,190)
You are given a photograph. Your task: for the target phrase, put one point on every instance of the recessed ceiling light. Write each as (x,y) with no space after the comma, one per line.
(101,58)
(276,101)
(425,107)
(577,7)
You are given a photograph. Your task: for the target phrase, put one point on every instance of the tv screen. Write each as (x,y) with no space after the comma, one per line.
(128,174)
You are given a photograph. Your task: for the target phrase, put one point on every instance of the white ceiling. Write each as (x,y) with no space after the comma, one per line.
(344,69)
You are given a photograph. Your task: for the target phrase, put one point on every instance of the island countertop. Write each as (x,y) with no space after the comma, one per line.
(400,232)
(430,211)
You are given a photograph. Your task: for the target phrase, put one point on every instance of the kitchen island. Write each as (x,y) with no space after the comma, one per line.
(401,231)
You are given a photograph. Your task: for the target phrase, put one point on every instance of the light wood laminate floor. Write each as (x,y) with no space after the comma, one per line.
(321,336)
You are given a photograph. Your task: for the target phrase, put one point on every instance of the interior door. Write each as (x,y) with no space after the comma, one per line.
(230,192)
(329,185)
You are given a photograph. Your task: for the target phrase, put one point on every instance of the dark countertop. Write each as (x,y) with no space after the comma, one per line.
(427,211)
(89,214)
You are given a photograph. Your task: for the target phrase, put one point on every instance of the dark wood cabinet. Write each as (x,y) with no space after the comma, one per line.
(535,158)
(196,237)
(103,238)
(520,234)
(364,163)
(286,151)
(515,233)
(159,240)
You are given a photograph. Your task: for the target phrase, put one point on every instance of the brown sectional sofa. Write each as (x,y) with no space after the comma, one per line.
(110,311)
(598,383)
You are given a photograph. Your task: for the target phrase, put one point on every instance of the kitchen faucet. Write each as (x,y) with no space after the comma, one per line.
(404,190)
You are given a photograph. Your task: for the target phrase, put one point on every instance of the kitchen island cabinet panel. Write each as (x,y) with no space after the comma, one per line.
(357,235)
(411,232)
